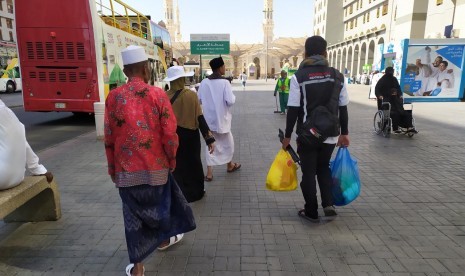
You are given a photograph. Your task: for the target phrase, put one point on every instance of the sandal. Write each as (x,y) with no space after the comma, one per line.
(208,179)
(129,269)
(235,168)
(302,214)
(173,240)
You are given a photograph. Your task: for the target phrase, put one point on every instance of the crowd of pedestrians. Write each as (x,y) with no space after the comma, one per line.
(153,145)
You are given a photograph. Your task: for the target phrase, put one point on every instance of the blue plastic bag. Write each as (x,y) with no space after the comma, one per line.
(346,180)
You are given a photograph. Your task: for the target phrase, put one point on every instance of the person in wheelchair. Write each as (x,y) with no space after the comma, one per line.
(399,116)
(384,86)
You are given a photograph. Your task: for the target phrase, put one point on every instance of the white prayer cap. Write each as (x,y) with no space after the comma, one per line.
(176,72)
(133,54)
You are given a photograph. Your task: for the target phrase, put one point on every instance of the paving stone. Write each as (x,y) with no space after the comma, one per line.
(408,220)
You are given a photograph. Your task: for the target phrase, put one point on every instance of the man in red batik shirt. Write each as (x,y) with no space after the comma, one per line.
(141,144)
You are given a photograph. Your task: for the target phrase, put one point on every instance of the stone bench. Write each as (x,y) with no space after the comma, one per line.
(33,200)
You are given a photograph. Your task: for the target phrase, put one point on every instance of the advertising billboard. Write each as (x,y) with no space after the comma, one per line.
(432,70)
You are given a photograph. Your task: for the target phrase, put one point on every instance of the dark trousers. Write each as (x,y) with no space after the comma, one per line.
(315,162)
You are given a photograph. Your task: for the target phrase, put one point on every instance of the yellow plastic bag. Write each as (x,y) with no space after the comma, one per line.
(283,173)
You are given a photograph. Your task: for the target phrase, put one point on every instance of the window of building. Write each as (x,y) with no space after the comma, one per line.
(368,16)
(385,8)
(377,12)
(438,2)
(347,26)
(355,19)
(357,5)
(351,24)
(361,3)
(351,9)
(11,36)
(364,18)
(1,5)
(345,11)
(9,23)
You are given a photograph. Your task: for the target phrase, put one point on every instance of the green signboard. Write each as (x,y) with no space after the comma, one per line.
(209,47)
(210,44)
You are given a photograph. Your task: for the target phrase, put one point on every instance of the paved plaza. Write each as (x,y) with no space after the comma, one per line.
(408,220)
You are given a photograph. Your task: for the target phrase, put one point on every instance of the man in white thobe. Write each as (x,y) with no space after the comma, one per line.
(216,96)
(444,79)
(15,152)
(427,73)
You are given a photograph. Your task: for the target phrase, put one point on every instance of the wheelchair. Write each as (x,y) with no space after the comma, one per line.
(382,122)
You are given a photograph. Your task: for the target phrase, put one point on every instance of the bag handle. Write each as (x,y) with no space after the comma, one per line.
(175,96)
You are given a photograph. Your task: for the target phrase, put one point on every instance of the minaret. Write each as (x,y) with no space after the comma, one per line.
(268,24)
(169,16)
(178,23)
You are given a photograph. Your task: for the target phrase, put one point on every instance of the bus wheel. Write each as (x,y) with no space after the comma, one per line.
(10,87)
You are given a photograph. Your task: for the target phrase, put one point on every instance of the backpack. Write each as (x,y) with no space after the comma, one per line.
(322,122)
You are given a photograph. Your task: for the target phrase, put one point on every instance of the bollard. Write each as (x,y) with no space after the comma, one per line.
(99,108)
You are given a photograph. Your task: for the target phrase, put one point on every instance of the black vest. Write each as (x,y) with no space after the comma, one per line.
(316,88)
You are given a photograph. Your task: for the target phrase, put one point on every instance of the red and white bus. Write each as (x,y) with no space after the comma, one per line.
(70,50)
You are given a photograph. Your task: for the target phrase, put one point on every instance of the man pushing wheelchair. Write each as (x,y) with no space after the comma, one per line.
(390,98)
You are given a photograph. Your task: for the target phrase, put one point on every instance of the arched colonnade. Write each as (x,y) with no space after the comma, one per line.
(353,55)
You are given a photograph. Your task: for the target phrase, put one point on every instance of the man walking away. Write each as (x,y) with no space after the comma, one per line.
(217,98)
(282,86)
(141,144)
(312,86)
(243,78)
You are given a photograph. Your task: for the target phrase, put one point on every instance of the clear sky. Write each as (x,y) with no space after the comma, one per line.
(241,18)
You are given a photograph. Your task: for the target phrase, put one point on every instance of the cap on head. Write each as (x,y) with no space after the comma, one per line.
(315,45)
(216,63)
(176,72)
(133,54)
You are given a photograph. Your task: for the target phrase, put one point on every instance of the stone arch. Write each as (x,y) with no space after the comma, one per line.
(350,62)
(343,60)
(381,40)
(371,53)
(338,58)
(356,65)
(333,61)
(363,56)
(330,57)
(256,61)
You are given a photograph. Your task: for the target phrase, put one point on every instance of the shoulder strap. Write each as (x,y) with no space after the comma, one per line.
(175,96)
(334,100)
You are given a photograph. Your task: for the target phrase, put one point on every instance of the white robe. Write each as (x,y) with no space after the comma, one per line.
(224,150)
(446,79)
(217,99)
(15,152)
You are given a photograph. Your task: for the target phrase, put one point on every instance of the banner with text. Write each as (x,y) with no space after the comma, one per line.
(210,44)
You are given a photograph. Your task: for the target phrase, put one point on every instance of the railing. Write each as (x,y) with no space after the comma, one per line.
(117,14)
